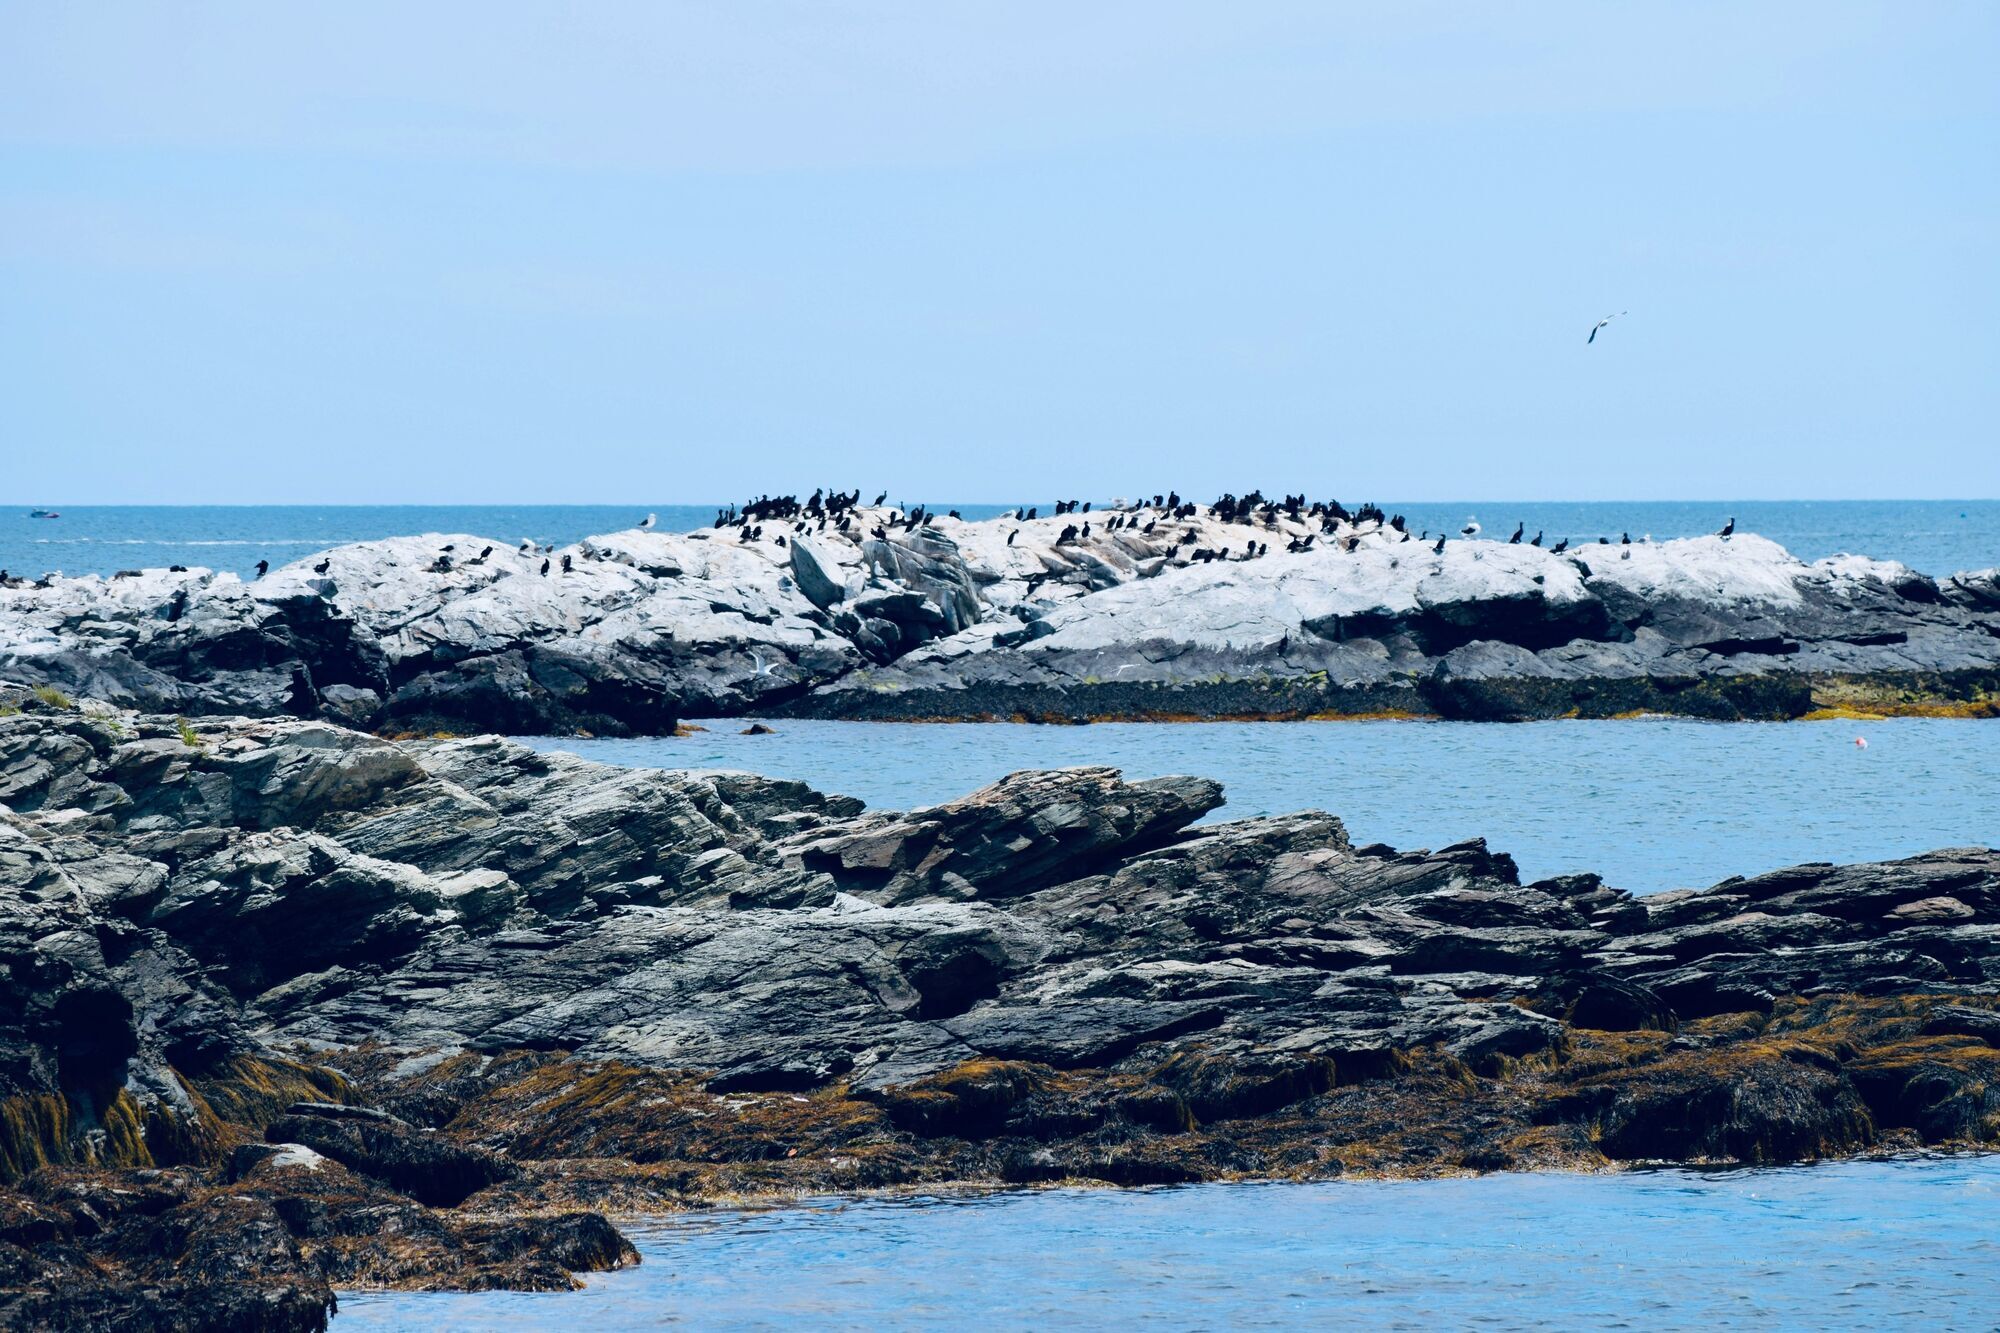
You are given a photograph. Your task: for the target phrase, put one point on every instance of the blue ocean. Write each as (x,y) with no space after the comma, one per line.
(1868,1245)
(1649,803)
(1934,536)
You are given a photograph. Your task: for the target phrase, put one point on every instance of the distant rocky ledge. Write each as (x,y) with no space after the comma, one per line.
(286,1008)
(1239,610)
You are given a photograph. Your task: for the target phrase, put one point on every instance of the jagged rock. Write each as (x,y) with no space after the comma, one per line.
(952,619)
(331,887)
(1061,975)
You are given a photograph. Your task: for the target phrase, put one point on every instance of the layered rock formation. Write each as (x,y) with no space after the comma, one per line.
(881,614)
(285,1006)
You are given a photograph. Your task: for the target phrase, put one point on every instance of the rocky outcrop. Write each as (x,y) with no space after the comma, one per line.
(1151,613)
(417,1012)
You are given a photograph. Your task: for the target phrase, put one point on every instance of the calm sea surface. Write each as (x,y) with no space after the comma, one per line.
(1935,536)
(1855,1246)
(1649,803)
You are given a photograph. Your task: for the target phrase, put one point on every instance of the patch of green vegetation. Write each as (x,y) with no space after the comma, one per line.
(53,697)
(189,736)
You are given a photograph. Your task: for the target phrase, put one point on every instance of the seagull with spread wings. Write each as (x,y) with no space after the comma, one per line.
(1598,325)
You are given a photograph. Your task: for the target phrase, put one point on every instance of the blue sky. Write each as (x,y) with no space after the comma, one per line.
(504,252)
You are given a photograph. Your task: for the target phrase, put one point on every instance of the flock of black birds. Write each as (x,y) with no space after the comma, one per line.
(825,507)
(839,509)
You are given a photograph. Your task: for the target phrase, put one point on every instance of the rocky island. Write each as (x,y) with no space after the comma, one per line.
(1245,608)
(286,1007)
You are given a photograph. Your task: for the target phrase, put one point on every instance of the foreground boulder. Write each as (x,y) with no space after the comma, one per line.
(421,1013)
(1154,612)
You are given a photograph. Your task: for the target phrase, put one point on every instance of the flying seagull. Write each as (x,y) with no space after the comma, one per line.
(1598,325)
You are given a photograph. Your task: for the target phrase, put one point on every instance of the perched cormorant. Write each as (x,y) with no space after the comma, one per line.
(1012,535)
(1625,540)
(567,566)
(880,498)
(1439,548)
(1560,546)
(1538,538)
(323,566)
(1728,527)
(263,568)
(1515,540)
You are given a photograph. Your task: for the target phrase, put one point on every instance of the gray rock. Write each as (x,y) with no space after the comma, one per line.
(954,619)
(163,906)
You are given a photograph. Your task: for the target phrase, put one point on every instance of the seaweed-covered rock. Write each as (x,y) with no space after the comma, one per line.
(430,1169)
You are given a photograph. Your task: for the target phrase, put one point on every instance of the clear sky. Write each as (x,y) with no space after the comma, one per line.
(495,251)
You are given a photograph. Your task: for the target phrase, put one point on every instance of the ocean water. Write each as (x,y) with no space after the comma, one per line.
(1905,1244)
(1935,536)
(1651,803)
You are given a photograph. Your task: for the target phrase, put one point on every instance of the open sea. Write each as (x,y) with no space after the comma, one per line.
(1934,536)
(1651,804)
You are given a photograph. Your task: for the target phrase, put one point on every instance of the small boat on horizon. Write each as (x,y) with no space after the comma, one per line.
(43,513)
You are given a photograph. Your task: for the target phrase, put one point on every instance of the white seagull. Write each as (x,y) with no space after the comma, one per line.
(763,668)
(1470,530)
(651,519)
(1598,325)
